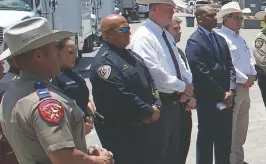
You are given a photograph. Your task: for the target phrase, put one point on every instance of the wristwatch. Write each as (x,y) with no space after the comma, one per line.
(158,103)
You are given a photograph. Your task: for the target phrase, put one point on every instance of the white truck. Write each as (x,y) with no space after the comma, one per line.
(12,11)
(72,15)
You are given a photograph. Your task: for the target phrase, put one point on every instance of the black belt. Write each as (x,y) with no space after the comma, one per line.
(169,95)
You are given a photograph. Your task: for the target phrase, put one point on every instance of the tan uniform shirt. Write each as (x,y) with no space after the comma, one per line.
(259,50)
(36,127)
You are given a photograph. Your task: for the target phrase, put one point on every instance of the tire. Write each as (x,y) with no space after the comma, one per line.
(88,45)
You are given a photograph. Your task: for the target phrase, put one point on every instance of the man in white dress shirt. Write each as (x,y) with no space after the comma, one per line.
(232,19)
(157,47)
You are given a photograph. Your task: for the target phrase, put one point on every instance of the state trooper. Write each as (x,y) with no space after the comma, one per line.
(41,124)
(259,53)
(125,95)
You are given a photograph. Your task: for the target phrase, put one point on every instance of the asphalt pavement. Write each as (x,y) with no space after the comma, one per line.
(255,147)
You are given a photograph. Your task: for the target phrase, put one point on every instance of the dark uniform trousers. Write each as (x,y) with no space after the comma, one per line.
(186,128)
(261,75)
(133,144)
(170,122)
(186,124)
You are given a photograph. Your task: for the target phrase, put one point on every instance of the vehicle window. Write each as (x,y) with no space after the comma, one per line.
(37,3)
(24,5)
(263,4)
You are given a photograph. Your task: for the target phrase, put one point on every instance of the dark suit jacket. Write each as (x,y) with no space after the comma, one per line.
(213,74)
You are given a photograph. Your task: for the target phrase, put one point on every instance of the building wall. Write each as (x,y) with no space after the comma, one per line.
(254,5)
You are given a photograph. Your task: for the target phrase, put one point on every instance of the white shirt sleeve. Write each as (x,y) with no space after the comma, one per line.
(240,77)
(252,66)
(162,79)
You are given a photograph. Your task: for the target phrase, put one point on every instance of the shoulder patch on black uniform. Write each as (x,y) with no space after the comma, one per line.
(104,71)
(259,43)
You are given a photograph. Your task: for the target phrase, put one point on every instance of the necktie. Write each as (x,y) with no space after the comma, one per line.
(214,43)
(173,56)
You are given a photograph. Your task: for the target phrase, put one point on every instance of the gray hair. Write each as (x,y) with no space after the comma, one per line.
(174,19)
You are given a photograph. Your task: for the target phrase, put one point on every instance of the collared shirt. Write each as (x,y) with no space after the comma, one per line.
(149,43)
(207,32)
(240,53)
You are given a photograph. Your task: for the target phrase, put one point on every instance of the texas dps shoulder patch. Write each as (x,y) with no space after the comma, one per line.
(104,71)
(259,43)
(51,111)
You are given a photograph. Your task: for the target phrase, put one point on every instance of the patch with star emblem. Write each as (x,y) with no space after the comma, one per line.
(51,110)
(104,71)
(259,43)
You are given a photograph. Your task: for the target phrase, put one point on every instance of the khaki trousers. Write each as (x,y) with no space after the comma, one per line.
(240,124)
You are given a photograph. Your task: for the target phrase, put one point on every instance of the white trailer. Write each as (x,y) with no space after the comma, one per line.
(71,15)
(74,16)
(101,8)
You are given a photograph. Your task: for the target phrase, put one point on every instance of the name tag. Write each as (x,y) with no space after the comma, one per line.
(70,82)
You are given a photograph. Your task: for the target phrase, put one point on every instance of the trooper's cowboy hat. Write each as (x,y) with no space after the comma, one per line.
(261,14)
(170,2)
(231,7)
(30,34)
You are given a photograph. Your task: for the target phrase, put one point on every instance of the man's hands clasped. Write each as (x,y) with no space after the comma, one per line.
(154,117)
(104,156)
(250,82)
(186,97)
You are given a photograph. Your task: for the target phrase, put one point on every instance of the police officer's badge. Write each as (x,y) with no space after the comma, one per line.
(104,71)
(51,111)
(259,43)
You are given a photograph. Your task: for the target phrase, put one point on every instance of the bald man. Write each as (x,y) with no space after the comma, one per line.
(125,95)
(214,82)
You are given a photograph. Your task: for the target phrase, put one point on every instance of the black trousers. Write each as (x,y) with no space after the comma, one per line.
(262,85)
(170,125)
(186,128)
(132,144)
(214,129)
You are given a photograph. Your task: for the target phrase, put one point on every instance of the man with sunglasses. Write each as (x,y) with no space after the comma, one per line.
(232,18)
(125,95)
(214,84)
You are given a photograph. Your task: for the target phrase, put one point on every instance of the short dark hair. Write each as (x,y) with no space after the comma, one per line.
(61,43)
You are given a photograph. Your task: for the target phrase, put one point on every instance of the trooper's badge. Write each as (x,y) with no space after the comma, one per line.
(104,71)
(259,43)
(51,110)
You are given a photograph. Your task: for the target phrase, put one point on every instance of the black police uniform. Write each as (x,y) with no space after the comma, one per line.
(124,93)
(74,86)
